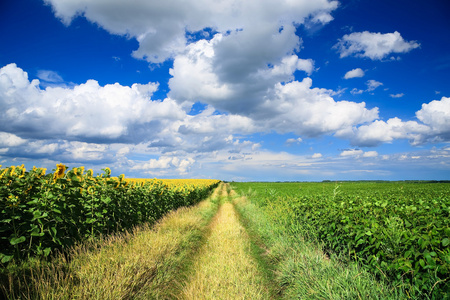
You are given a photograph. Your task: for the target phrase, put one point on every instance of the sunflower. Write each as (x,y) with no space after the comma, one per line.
(80,171)
(90,190)
(60,169)
(107,171)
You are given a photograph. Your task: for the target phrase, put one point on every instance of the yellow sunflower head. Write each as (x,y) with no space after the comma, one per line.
(90,190)
(60,169)
(80,171)
(107,171)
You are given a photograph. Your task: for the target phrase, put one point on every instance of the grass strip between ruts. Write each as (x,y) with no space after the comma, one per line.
(224,267)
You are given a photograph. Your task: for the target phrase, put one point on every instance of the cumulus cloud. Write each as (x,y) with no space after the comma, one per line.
(296,107)
(436,115)
(317,155)
(358,72)
(86,111)
(161,27)
(385,132)
(375,46)
(255,88)
(434,126)
(370,154)
(8,140)
(164,163)
(351,152)
(221,73)
(267,95)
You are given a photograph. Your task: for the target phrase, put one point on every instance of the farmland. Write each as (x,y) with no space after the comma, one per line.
(68,233)
(398,231)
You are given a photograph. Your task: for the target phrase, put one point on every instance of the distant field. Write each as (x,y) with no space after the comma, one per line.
(400,231)
(185,183)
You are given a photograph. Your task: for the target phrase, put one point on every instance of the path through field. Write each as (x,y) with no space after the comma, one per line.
(224,267)
(196,252)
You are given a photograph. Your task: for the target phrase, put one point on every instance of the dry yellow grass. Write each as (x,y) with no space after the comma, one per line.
(224,268)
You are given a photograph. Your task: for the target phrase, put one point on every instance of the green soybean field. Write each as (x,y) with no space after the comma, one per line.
(398,231)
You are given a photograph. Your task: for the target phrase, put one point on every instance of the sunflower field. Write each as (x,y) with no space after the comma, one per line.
(42,212)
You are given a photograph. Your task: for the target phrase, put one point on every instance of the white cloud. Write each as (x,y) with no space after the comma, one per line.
(10,140)
(164,164)
(81,151)
(294,141)
(317,155)
(375,46)
(49,76)
(373,84)
(436,114)
(370,154)
(396,95)
(42,147)
(434,126)
(246,68)
(385,132)
(86,111)
(351,152)
(296,107)
(358,72)
(266,95)
(355,91)
(222,73)
(160,27)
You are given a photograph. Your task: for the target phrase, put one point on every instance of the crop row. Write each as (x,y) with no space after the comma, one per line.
(41,212)
(399,231)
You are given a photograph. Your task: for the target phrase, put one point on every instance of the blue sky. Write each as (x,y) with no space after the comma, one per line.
(232,89)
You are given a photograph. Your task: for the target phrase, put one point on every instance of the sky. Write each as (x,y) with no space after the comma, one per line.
(236,90)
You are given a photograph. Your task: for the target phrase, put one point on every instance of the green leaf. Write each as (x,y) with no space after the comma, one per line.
(17,240)
(422,263)
(47,251)
(359,242)
(53,231)
(5,258)
(445,242)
